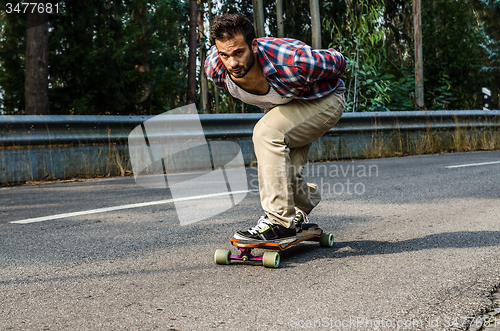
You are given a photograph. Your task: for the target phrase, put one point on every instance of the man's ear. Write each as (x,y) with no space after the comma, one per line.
(255,46)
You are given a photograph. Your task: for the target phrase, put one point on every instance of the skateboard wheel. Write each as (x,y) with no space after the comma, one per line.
(271,259)
(222,256)
(326,240)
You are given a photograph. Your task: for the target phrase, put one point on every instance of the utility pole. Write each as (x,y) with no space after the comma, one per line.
(419,58)
(258,17)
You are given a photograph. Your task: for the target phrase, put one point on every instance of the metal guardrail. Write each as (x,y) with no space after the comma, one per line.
(417,121)
(80,129)
(36,148)
(25,130)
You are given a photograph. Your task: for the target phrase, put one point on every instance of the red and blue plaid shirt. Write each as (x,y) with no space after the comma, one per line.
(291,67)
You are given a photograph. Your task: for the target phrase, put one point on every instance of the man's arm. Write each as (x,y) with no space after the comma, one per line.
(214,69)
(313,65)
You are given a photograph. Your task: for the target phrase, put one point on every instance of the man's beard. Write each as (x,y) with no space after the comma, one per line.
(243,69)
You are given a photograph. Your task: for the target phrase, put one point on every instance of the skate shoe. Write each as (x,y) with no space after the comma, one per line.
(300,218)
(265,231)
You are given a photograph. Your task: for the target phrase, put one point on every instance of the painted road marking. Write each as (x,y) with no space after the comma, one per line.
(135,205)
(472,164)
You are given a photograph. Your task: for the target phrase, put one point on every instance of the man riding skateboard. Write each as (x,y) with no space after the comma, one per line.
(302,94)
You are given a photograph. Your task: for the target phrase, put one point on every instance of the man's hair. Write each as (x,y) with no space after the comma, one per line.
(229,25)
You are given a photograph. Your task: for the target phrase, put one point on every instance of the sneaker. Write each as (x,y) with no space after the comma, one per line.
(300,218)
(265,231)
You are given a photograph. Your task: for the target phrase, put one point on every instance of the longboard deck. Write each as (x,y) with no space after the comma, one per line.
(309,232)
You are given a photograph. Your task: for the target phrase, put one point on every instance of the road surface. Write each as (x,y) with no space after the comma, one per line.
(416,248)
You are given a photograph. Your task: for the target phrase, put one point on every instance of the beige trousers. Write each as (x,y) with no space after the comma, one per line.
(282,139)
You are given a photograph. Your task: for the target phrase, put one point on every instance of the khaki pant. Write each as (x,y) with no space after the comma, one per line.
(282,139)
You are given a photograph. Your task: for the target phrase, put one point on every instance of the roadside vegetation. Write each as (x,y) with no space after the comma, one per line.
(131,57)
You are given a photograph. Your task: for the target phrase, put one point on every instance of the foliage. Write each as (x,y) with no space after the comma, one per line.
(362,43)
(12,48)
(441,95)
(376,38)
(102,60)
(402,90)
(130,56)
(492,49)
(452,57)
(490,32)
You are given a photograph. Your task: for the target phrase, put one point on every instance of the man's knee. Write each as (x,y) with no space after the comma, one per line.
(263,133)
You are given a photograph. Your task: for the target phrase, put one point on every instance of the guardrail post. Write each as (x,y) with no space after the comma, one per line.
(486,99)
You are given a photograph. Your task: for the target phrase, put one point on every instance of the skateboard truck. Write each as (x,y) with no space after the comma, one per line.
(245,255)
(269,259)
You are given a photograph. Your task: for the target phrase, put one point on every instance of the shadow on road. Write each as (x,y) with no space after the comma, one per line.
(462,239)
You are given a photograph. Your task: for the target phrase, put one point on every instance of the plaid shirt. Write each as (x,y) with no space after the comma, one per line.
(291,67)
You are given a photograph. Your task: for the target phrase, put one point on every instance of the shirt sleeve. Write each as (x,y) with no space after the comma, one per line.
(314,65)
(214,69)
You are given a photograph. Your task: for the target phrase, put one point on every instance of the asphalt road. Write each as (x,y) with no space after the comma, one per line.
(417,248)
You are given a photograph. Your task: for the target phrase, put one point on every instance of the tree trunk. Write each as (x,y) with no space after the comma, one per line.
(203,56)
(279,18)
(258,18)
(213,88)
(193,22)
(419,59)
(232,104)
(36,86)
(315,24)
(142,65)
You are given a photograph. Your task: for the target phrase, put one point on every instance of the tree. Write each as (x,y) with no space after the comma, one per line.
(193,37)
(361,41)
(451,55)
(419,60)
(118,58)
(12,61)
(203,55)
(36,85)
(489,15)
(141,51)
(131,56)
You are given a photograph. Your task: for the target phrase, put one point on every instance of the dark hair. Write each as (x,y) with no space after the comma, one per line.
(229,25)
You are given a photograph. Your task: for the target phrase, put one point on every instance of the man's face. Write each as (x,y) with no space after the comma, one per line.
(236,56)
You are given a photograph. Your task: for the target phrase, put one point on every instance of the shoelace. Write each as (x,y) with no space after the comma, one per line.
(301,213)
(261,224)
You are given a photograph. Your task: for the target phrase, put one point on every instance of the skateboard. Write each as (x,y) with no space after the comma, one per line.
(307,232)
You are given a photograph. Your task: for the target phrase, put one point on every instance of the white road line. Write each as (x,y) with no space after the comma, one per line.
(472,165)
(135,205)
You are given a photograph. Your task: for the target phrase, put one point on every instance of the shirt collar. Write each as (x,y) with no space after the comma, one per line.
(264,62)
